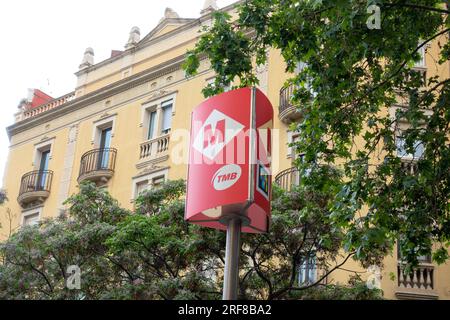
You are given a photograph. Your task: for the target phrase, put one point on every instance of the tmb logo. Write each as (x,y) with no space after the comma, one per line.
(226,177)
(217,131)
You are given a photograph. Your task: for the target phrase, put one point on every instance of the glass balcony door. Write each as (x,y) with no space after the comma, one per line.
(105,144)
(166,124)
(43,168)
(307,271)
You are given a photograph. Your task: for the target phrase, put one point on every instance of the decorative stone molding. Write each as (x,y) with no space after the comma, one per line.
(88,59)
(149,39)
(152,162)
(416,296)
(105,115)
(169,13)
(32,199)
(158,94)
(134,38)
(209,6)
(100,177)
(73,133)
(104,93)
(149,170)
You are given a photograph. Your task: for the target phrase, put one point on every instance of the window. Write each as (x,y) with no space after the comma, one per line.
(418,149)
(157,117)
(102,157)
(421,63)
(31,218)
(421,259)
(45,158)
(148,182)
(166,124)
(105,152)
(151,125)
(210,81)
(105,138)
(301,66)
(158,181)
(293,137)
(42,157)
(307,270)
(103,132)
(141,187)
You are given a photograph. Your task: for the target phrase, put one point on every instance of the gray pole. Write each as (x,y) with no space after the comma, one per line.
(231,276)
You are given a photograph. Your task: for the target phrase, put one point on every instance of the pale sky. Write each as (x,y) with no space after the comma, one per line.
(42,43)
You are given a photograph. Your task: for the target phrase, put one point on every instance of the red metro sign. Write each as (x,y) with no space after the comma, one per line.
(229,161)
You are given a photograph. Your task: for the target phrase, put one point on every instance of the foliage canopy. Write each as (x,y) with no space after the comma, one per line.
(362,103)
(153,253)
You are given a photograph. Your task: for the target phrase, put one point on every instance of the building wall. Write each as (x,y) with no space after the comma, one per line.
(114,90)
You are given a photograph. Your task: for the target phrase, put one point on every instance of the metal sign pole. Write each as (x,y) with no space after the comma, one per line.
(233,245)
(235,222)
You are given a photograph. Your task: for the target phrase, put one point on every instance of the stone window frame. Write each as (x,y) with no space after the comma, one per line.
(147,177)
(156,105)
(30,212)
(210,80)
(291,137)
(41,147)
(99,125)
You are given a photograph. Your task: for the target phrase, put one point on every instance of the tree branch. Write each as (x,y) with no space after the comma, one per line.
(325,275)
(415,6)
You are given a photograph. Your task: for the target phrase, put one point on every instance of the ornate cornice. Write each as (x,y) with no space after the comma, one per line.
(152,163)
(99,95)
(119,86)
(151,168)
(148,40)
(164,23)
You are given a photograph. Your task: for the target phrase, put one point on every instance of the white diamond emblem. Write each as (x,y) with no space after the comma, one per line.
(217,131)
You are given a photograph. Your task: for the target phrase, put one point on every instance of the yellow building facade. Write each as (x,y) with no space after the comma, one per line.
(126,124)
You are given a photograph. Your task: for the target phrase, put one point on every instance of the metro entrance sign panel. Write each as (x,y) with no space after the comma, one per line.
(229,161)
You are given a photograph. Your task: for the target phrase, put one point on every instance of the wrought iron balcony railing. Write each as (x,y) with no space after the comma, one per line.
(287,111)
(35,187)
(288,178)
(98,164)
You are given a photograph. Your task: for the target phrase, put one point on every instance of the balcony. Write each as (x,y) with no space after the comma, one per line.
(288,178)
(410,167)
(55,103)
(418,285)
(155,150)
(35,188)
(423,74)
(98,165)
(288,112)
(404,97)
